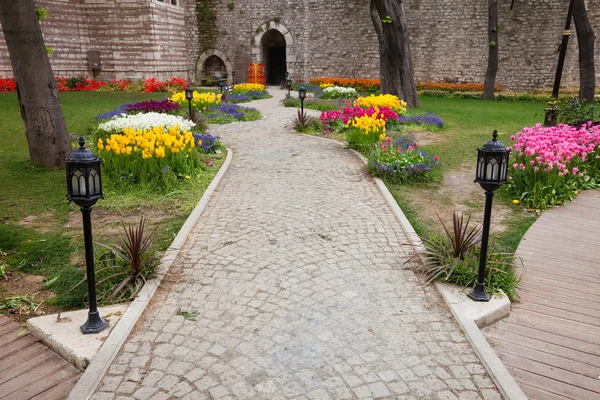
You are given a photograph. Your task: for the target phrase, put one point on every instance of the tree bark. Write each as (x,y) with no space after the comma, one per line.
(492,67)
(585,39)
(37,91)
(395,65)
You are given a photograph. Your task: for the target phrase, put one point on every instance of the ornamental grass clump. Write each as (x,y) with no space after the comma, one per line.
(158,158)
(454,257)
(401,161)
(552,165)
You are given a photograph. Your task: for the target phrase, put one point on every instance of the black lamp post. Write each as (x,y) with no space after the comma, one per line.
(233,78)
(289,87)
(189,95)
(84,187)
(302,96)
(221,84)
(492,167)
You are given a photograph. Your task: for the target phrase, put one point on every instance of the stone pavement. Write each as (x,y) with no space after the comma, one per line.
(297,272)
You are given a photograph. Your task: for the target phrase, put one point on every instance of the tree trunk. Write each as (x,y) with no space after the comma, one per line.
(37,91)
(492,67)
(395,65)
(585,39)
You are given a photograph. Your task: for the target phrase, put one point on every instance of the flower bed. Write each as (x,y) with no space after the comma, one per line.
(200,101)
(362,85)
(227,113)
(338,92)
(552,165)
(149,85)
(144,121)
(429,120)
(401,161)
(158,157)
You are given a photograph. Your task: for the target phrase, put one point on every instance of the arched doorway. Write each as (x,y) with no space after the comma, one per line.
(214,68)
(273,56)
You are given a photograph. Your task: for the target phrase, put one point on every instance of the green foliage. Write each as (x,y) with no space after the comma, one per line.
(492,44)
(189,315)
(454,258)
(230,5)
(259,29)
(41,13)
(276,20)
(304,123)
(49,50)
(313,104)
(124,267)
(573,110)
(18,304)
(207,24)
(387,20)
(45,254)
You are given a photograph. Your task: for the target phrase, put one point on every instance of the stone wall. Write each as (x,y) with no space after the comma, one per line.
(135,38)
(143,38)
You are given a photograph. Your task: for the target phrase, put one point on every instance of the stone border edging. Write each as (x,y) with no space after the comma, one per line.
(504,381)
(90,379)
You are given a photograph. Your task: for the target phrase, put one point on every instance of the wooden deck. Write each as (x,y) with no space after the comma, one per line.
(30,370)
(550,343)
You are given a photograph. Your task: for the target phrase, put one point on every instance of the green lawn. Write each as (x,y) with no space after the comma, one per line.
(468,124)
(34,209)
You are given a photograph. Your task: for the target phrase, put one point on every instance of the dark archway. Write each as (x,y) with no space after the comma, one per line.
(214,69)
(273,56)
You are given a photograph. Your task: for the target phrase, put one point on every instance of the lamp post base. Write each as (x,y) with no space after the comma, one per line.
(94,324)
(479,293)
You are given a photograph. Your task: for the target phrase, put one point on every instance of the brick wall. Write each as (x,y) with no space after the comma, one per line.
(142,38)
(135,38)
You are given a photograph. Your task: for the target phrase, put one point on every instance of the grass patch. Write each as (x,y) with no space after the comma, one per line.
(45,245)
(314,104)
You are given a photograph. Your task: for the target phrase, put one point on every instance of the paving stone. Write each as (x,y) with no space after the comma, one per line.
(298,268)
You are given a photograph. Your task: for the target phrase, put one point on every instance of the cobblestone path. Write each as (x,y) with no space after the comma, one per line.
(297,270)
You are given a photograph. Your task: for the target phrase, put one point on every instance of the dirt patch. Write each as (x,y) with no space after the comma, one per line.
(424,138)
(457,192)
(24,296)
(42,223)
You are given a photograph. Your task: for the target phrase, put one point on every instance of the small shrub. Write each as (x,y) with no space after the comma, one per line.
(574,111)
(125,266)
(304,123)
(454,258)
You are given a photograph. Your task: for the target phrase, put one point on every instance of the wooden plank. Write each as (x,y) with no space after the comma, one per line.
(527,284)
(510,346)
(8,328)
(592,386)
(578,348)
(45,382)
(534,393)
(10,361)
(562,272)
(26,365)
(16,384)
(8,339)
(569,266)
(17,345)
(551,284)
(562,297)
(4,320)
(559,305)
(525,318)
(552,385)
(59,391)
(577,321)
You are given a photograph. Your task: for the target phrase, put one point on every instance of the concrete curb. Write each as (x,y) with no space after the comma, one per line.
(90,379)
(504,381)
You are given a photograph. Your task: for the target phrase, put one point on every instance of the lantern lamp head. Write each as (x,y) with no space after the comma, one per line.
(492,164)
(84,178)
(302,93)
(189,93)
